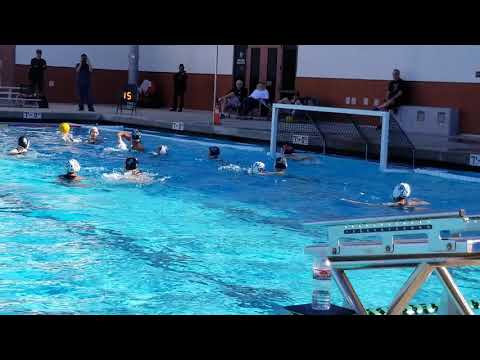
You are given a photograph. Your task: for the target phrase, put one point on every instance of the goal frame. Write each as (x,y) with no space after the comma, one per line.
(383,115)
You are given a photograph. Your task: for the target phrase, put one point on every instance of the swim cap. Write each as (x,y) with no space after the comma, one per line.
(72,166)
(64,128)
(288,149)
(94,129)
(401,191)
(280,163)
(23,142)
(131,164)
(163,149)
(136,135)
(258,167)
(213,151)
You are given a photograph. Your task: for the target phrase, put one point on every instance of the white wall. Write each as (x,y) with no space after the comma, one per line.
(449,63)
(102,56)
(198,59)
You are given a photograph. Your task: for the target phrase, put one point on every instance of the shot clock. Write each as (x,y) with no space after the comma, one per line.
(128,99)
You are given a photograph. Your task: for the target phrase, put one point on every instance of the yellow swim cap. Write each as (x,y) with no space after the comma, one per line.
(64,128)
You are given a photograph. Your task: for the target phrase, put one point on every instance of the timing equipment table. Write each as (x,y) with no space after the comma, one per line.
(428,243)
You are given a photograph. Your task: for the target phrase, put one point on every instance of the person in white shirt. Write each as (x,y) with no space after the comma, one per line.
(259,95)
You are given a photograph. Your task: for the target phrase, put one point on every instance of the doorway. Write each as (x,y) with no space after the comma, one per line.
(273,64)
(264,64)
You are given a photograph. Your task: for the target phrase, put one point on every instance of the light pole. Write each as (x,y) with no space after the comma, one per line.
(215,85)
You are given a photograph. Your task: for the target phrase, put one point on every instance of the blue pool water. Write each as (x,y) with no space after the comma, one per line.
(195,241)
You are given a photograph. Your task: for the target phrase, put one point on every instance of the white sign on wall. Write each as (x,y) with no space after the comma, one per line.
(475,159)
(178,126)
(32,115)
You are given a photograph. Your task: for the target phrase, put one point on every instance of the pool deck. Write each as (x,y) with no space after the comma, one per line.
(439,151)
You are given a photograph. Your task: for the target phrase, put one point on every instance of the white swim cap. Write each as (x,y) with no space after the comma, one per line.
(402,191)
(258,167)
(163,149)
(94,129)
(72,166)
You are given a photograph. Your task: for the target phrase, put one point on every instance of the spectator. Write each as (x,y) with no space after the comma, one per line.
(395,93)
(147,93)
(145,88)
(84,70)
(296,100)
(179,88)
(234,99)
(259,96)
(35,74)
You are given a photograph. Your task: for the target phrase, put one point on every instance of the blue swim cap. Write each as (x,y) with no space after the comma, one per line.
(280,163)
(213,151)
(136,135)
(131,164)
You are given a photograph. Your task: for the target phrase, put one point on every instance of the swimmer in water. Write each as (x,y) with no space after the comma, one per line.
(93,136)
(281,165)
(67,136)
(288,151)
(213,152)
(131,167)
(162,150)
(259,168)
(22,148)
(400,196)
(72,167)
(135,137)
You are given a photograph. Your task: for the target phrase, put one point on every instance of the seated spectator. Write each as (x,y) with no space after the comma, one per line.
(234,99)
(295,100)
(259,96)
(395,93)
(147,94)
(145,88)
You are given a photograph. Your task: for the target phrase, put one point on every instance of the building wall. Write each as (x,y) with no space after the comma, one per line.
(197,59)
(438,63)
(7,65)
(437,76)
(106,57)
(158,63)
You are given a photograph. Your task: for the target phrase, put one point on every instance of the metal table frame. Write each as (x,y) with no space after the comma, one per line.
(423,268)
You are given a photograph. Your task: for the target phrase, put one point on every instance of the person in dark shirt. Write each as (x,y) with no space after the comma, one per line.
(395,93)
(35,74)
(295,100)
(234,98)
(84,70)
(179,87)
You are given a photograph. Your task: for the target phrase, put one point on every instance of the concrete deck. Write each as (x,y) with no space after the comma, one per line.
(439,151)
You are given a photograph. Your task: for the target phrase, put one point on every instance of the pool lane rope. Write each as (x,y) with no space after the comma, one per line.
(420,309)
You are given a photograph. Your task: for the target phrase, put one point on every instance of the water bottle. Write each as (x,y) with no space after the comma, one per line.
(322,282)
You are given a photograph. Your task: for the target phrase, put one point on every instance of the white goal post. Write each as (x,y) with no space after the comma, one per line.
(383,116)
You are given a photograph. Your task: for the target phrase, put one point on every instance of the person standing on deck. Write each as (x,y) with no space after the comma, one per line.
(35,73)
(84,70)
(179,88)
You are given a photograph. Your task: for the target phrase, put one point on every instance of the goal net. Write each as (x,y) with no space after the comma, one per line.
(372,134)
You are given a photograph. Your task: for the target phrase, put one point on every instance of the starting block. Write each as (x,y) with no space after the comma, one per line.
(427,242)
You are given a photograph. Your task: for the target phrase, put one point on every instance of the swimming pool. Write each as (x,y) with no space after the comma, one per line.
(195,241)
